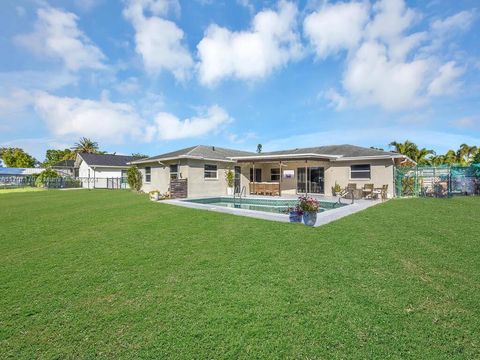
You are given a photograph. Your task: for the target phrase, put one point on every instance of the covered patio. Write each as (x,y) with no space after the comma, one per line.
(278,175)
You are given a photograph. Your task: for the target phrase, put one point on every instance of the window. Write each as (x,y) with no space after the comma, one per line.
(173,172)
(275,174)
(258,175)
(148,174)
(360,171)
(210,171)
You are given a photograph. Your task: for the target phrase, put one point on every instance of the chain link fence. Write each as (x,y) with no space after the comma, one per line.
(437,181)
(11,182)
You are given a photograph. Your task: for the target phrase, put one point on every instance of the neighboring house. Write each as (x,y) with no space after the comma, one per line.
(298,171)
(102,170)
(65,168)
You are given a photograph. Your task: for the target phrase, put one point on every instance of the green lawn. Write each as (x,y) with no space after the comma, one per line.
(108,274)
(20,190)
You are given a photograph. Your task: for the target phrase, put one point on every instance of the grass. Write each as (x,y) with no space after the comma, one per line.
(20,190)
(108,274)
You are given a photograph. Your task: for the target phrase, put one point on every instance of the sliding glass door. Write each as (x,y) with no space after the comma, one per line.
(312,181)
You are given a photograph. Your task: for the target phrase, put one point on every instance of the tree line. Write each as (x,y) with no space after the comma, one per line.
(463,156)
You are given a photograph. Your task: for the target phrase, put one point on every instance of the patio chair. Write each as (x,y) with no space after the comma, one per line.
(260,188)
(381,192)
(368,191)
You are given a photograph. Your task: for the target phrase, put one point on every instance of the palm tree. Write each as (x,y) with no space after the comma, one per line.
(410,149)
(86,145)
(465,154)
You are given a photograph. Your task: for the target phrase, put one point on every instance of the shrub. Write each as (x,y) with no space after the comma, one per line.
(230,177)
(45,176)
(134,178)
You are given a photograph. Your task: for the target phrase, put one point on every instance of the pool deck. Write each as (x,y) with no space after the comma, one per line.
(322,218)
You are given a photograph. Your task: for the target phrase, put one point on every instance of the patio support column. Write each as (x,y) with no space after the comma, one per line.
(306,178)
(94,178)
(253,173)
(280,182)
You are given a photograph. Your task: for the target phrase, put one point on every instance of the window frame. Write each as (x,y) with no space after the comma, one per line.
(148,175)
(276,176)
(174,175)
(205,171)
(361,171)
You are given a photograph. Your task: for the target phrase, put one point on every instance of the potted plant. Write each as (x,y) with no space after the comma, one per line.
(336,189)
(230,178)
(310,207)
(294,214)
(154,195)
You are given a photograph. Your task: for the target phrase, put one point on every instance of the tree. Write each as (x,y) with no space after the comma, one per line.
(140,155)
(476,158)
(259,148)
(465,154)
(134,178)
(54,156)
(85,145)
(17,158)
(421,156)
(45,176)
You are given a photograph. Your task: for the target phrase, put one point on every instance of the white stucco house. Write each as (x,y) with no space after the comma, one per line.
(102,170)
(312,170)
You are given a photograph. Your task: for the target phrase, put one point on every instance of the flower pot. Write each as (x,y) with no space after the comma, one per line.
(309,218)
(230,191)
(295,217)
(155,197)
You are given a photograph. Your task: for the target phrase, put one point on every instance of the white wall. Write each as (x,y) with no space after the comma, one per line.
(97,178)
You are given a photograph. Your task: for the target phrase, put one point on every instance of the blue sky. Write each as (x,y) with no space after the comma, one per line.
(155,75)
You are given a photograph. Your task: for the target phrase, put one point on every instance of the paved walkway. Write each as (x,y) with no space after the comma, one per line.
(322,218)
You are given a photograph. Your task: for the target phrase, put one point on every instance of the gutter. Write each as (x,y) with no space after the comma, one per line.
(146,161)
(262,157)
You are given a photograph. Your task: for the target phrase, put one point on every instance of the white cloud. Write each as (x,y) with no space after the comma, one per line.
(270,43)
(15,101)
(336,27)
(373,78)
(57,35)
(386,64)
(103,120)
(460,21)
(169,127)
(446,82)
(337,101)
(158,41)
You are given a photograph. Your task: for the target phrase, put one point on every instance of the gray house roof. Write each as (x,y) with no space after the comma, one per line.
(64,164)
(107,160)
(198,152)
(331,152)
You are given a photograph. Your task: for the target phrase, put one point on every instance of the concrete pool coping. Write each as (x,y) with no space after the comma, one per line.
(323,218)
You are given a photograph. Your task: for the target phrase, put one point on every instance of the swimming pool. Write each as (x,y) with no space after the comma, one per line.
(278,206)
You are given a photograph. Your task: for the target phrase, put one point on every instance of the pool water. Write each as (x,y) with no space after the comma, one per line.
(278,206)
